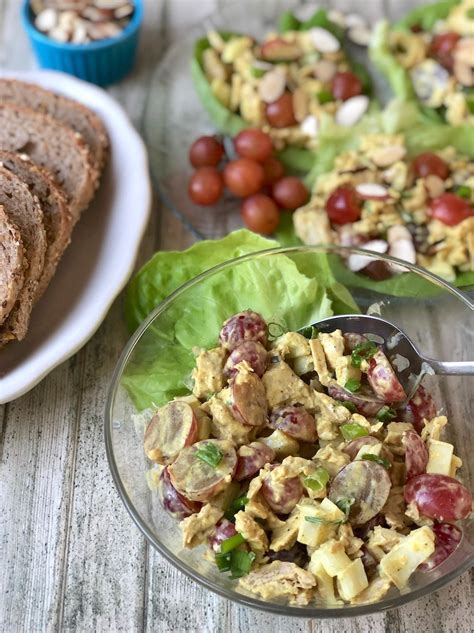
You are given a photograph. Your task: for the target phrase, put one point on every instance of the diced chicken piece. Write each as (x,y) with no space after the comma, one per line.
(295,350)
(377,589)
(332,459)
(319,361)
(433,429)
(282,444)
(382,540)
(197,527)
(312,226)
(440,455)
(281,580)
(351,543)
(333,346)
(414,515)
(224,426)
(325,588)
(399,564)
(208,374)
(345,371)
(284,536)
(352,580)
(258,508)
(329,415)
(252,533)
(283,386)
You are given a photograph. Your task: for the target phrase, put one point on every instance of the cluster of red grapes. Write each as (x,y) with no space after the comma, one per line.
(256,176)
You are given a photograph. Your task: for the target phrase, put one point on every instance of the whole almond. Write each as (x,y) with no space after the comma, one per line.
(272,85)
(386,156)
(434,185)
(324,70)
(300,104)
(46,20)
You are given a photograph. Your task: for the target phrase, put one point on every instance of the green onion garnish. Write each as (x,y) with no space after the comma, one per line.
(344,504)
(464,191)
(386,414)
(349,405)
(309,332)
(378,460)
(318,480)
(231,543)
(352,385)
(237,561)
(210,454)
(324,97)
(235,506)
(352,430)
(361,352)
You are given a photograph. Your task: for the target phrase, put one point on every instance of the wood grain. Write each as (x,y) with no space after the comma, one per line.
(72,559)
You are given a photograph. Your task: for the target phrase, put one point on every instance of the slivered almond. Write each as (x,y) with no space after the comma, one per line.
(386,156)
(324,41)
(360,35)
(310,126)
(357,262)
(338,17)
(300,104)
(324,70)
(372,191)
(352,110)
(434,185)
(354,19)
(398,232)
(272,85)
(402,249)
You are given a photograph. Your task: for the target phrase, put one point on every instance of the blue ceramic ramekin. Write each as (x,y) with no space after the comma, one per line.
(103,62)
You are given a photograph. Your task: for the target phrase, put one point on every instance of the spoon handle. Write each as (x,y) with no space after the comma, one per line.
(453,368)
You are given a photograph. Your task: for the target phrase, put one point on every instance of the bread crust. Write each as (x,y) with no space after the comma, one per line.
(12,264)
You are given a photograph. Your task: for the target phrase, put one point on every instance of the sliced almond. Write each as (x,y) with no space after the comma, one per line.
(79,33)
(272,85)
(405,250)
(59,34)
(360,35)
(352,110)
(46,20)
(398,232)
(324,70)
(464,73)
(310,126)
(371,191)
(386,156)
(434,186)
(357,262)
(300,104)
(109,4)
(123,12)
(464,51)
(324,41)
(97,15)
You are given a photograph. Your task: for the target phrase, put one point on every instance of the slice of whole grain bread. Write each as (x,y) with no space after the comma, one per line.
(24,210)
(54,146)
(73,114)
(57,218)
(12,264)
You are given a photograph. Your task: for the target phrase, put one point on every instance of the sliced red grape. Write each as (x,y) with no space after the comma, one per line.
(282,495)
(447,538)
(354,446)
(244,326)
(383,380)
(252,353)
(365,405)
(352,339)
(295,421)
(224,530)
(198,480)
(420,407)
(173,502)
(416,454)
(251,458)
(249,401)
(173,427)
(439,497)
(367,483)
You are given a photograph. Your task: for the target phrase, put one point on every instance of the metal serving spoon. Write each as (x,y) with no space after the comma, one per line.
(409,363)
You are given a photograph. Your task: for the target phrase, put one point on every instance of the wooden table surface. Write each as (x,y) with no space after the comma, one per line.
(71,558)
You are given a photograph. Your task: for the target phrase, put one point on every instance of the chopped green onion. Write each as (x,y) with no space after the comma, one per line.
(240,563)
(309,332)
(324,97)
(386,414)
(318,480)
(288,22)
(470,105)
(470,13)
(349,405)
(361,352)
(344,504)
(257,72)
(352,385)
(351,431)
(275,330)
(235,506)
(231,543)
(223,561)
(210,454)
(321,520)
(378,460)
(464,191)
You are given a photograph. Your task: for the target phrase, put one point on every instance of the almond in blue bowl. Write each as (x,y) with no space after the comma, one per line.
(95,40)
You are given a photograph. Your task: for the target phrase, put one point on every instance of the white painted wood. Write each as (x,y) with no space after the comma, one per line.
(72,560)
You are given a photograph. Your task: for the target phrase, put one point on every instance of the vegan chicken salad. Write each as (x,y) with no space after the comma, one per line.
(300,468)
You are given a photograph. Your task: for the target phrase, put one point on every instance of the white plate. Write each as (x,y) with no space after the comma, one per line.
(101,256)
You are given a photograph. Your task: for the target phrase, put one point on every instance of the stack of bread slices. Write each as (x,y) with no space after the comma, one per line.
(52,154)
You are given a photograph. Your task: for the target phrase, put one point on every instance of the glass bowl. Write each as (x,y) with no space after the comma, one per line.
(441,326)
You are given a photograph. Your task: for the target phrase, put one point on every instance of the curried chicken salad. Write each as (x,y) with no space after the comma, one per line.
(300,466)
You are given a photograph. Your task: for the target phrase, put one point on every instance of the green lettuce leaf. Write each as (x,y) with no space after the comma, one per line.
(289,291)
(427,15)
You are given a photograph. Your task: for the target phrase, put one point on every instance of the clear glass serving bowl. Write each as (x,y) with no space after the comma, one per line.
(442,327)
